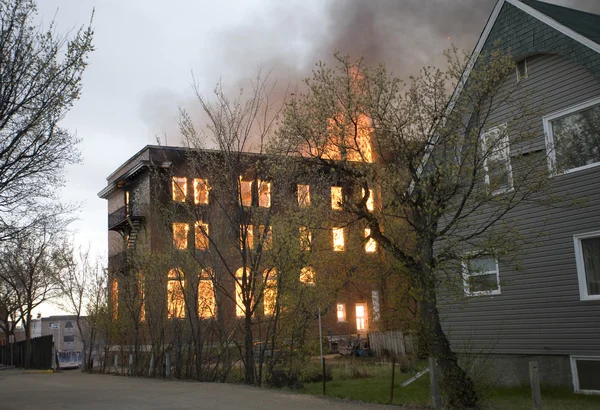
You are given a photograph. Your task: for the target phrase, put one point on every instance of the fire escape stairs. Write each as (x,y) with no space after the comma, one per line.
(133,234)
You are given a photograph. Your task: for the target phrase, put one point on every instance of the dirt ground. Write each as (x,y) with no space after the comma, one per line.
(76,390)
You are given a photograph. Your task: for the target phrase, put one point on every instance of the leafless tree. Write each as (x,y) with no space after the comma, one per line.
(80,286)
(40,79)
(29,267)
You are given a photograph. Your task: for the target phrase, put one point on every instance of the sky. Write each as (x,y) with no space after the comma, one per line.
(147,53)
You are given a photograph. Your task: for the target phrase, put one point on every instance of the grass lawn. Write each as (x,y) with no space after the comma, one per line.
(375,387)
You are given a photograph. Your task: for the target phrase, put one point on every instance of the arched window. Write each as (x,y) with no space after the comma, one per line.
(240,308)
(206,295)
(270,292)
(175,296)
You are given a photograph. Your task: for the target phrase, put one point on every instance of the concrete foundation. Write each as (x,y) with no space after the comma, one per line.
(513,370)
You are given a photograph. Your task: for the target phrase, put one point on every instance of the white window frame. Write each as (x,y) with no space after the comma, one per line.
(582,279)
(576,376)
(503,129)
(547,122)
(466,275)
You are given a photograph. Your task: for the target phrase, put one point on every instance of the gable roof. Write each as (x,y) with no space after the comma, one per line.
(586,24)
(572,23)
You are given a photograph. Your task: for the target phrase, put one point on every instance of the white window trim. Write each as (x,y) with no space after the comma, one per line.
(511,185)
(551,153)
(576,376)
(466,275)
(583,291)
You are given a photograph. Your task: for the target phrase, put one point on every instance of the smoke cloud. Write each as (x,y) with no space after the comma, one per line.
(288,39)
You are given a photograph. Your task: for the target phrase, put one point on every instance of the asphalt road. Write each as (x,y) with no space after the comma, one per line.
(77,390)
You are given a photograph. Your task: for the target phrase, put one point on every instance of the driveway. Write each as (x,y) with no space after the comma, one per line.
(77,390)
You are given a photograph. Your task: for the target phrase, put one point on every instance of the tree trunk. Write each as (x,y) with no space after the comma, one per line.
(456,384)
(249,351)
(27,345)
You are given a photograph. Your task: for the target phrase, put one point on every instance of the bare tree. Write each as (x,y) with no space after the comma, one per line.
(444,184)
(29,267)
(78,280)
(40,79)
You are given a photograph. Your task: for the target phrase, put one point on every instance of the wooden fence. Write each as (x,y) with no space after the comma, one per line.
(392,343)
(41,353)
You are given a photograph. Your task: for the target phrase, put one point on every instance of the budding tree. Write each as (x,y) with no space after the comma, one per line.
(444,183)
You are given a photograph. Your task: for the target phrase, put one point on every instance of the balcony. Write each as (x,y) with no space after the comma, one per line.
(118,220)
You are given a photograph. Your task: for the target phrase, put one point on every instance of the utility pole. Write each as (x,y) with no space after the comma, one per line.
(320,337)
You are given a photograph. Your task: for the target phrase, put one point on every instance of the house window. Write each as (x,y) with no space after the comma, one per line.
(587,258)
(338,239)
(240,308)
(206,296)
(307,275)
(305,238)
(175,295)
(270,292)
(201,235)
(572,137)
(180,235)
(303,195)
(68,338)
(68,325)
(264,194)
(585,370)
(375,303)
(179,189)
(336,198)
(361,317)
(522,70)
(371,244)
(247,232)
(370,200)
(481,276)
(266,237)
(496,160)
(200,191)
(341,312)
(245,192)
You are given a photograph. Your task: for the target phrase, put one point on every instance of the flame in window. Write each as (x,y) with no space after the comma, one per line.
(180,235)
(361,317)
(338,239)
(303,195)
(270,292)
(179,188)
(240,308)
(206,296)
(246,192)
(142,297)
(247,231)
(341,312)
(264,194)
(370,201)
(201,235)
(266,237)
(371,245)
(115,297)
(305,238)
(175,295)
(336,198)
(307,275)
(201,191)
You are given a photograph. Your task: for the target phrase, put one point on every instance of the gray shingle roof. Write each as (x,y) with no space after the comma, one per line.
(586,24)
